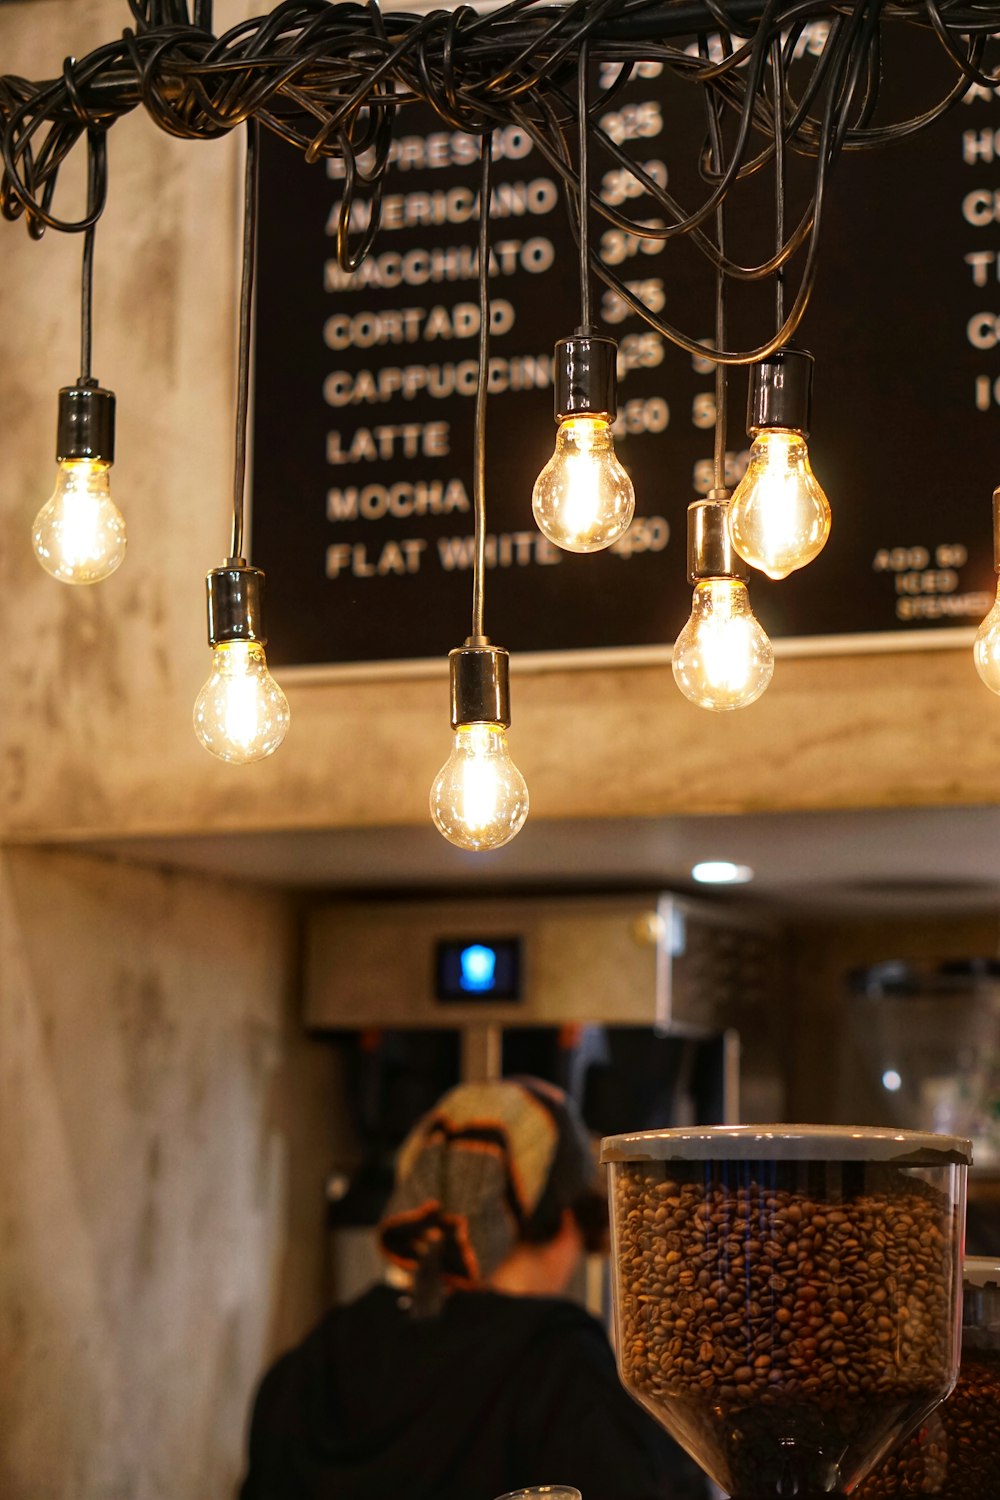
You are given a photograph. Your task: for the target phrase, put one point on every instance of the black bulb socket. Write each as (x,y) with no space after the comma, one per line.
(480,685)
(235,603)
(996,528)
(710,551)
(86,426)
(585,377)
(780,393)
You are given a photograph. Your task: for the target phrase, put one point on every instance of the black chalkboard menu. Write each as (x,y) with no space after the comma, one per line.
(364,391)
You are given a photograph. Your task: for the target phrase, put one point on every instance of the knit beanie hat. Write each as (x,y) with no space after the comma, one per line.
(492,1164)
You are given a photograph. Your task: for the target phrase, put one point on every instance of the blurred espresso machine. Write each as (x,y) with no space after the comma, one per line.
(649,1010)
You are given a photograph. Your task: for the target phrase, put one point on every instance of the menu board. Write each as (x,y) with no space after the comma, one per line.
(365,386)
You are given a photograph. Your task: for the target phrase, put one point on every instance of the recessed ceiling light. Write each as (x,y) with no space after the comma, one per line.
(721,872)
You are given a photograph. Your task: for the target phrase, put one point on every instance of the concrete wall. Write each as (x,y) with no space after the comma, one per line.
(164,1134)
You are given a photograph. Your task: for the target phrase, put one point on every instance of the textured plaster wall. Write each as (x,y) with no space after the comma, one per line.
(104,678)
(164,1134)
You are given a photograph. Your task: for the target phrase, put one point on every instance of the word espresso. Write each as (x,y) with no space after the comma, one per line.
(769,1319)
(957,1454)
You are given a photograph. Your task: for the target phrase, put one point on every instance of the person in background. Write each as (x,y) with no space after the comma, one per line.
(468,1374)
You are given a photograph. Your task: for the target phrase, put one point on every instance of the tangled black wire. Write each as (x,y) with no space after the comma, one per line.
(332,78)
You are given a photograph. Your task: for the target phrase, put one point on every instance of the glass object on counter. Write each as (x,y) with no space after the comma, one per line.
(956,1453)
(544,1492)
(925,1048)
(787,1297)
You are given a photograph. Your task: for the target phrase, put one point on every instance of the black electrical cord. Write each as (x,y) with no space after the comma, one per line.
(332,79)
(715,145)
(777,101)
(87,307)
(583,148)
(97,174)
(478,636)
(825,154)
(247,278)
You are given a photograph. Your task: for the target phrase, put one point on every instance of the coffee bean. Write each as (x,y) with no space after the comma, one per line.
(956,1453)
(823,1313)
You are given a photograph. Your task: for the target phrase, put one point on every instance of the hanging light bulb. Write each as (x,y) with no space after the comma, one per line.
(722,659)
(779,517)
(583,500)
(479,799)
(986,647)
(241,713)
(79,534)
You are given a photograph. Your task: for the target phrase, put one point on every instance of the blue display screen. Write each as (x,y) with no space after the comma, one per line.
(479,969)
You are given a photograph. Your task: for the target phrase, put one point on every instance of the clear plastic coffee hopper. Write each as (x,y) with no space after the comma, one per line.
(955,1454)
(787,1298)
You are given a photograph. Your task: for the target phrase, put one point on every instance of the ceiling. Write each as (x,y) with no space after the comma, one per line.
(899,860)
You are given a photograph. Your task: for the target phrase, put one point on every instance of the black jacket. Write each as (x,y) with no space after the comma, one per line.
(496,1393)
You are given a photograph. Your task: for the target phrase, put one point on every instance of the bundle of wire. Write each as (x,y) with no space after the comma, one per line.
(333,80)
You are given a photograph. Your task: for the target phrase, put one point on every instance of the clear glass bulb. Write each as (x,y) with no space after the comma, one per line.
(722,658)
(779,517)
(479,799)
(79,534)
(986,648)
(583,499)
(241,714)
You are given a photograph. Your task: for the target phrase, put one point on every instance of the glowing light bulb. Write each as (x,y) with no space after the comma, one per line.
(241,714)
(986,648)
(583,499)
(79,534)
(479,799)
(779,517)
(722,658)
